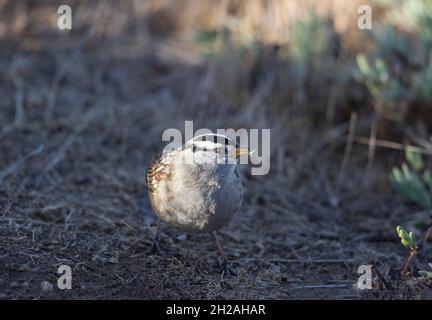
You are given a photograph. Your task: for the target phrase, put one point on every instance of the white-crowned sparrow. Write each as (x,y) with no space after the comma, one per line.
(196,187)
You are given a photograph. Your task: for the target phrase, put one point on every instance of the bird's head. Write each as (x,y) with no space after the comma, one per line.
(214,149)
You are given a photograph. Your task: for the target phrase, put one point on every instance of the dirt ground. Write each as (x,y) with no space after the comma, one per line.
(81,116)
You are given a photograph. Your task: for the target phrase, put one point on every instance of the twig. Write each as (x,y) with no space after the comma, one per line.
(19,107)
(331,104)
(15,166)
(381,277)
(348,148)
(392,145)
(23,221)
(323,286)
(329,261)
(6,129)
(65,67)
(415,251)
(371,151)
(139,274)
(6,209)
(19,101)
(52,95)
(419,140)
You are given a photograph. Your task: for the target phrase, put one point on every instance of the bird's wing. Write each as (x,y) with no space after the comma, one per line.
(158,170)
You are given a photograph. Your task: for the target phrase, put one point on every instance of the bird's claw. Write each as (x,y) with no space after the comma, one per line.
(227,268)
(155,248)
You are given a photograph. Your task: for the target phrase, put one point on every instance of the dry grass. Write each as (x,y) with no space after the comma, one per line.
(81,114)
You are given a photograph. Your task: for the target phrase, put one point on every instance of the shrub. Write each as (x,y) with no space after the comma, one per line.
(399,71)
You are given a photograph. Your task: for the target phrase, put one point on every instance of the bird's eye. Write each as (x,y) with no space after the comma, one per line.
(204,149)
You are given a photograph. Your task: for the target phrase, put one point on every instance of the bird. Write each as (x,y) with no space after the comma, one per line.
(196,187)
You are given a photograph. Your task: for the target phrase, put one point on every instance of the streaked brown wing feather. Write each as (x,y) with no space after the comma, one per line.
(158,170)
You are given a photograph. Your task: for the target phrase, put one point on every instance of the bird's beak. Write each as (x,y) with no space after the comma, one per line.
(243,151)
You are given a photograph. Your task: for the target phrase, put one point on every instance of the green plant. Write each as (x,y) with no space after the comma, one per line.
(309,38)
(414,182)
(407,239)
(387,90)
(426,274)
(422,82)
(235,35)
(398,71)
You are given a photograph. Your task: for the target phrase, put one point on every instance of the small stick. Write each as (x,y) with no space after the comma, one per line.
(419,140)
(380,276)
(6,209)
(19,101)
(371,149)
(15,166)
(392,145)
(348,148)
(323,286)
(314,261)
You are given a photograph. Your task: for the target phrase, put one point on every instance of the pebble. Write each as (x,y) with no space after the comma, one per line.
(46,286)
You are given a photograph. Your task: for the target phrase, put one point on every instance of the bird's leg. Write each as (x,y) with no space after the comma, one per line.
(220,250)
(155,246)
(225,265)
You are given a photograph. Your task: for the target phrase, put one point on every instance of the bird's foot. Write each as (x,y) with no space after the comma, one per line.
(155,248)
(227,268)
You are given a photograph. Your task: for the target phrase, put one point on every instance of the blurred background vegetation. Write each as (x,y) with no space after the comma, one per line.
(263,63)
(286,58)
(344,105)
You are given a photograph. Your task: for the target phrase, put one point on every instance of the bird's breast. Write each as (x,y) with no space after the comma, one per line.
(198,201)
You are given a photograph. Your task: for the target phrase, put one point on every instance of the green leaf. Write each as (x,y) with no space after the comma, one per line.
(405,243)
(363,64)
(425,274)
(410,186)
(412,238)
(404,235)
(407,239)
(427,178)
(414,158)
